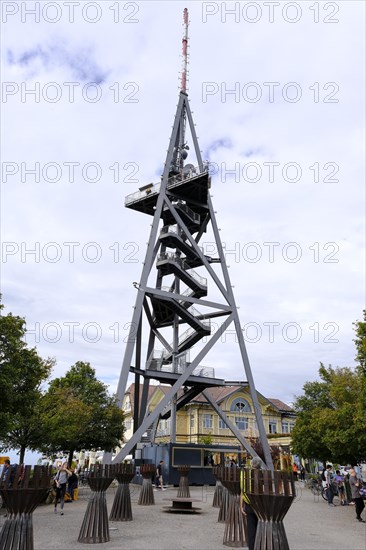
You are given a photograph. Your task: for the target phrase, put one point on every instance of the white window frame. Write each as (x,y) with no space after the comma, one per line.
(207,421)
(272,426)
(222,424)
(242,419)
(285,427)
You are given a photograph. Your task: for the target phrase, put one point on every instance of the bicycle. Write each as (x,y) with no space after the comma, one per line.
(316,487)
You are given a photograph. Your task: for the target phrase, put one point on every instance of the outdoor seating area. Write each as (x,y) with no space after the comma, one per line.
(182,505)
(153,528)
(271,494)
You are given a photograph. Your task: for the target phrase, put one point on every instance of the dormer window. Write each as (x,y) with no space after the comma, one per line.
(240,405)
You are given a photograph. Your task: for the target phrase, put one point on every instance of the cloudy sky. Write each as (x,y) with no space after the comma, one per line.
(89,94)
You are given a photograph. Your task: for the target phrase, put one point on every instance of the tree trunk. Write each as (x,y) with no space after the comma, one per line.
(21,454)
(71,454)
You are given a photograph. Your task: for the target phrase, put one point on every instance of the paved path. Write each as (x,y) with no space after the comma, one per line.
(310,525)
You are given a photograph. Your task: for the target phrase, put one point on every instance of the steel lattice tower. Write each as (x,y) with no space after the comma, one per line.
(182,202)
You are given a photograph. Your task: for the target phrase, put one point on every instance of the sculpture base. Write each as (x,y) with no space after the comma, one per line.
(234,535)
(146,497)
(121,509)
(95,528)
(17,532)
(217,495)
(271,535)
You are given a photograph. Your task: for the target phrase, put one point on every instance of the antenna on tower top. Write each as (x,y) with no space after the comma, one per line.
(184,51)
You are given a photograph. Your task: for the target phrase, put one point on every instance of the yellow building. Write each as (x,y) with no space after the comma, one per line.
(197,422)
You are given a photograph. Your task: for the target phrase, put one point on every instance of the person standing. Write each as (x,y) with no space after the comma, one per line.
(339,480)
(327,483)
(72,483)
(294,470)
(356,484)
(302,473)
(247,510)
(77,468)
(6,470)
(61,481)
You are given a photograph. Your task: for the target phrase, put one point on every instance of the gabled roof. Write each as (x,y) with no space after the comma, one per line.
(280,405)
(160,387)
(131,391)
(217,394)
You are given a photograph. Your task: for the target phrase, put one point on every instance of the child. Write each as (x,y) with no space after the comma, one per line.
(339,480)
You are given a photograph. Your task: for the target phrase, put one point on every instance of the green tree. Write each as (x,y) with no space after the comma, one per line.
(330,423)
(78,413)
(12,330)
(360,341)
(22,373)
(206,439)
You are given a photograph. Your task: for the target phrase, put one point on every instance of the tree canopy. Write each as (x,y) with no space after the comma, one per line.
(331,413)
(360,341)
(22,373)
(78,413)
(331,419)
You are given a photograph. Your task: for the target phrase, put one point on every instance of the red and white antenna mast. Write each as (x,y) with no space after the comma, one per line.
(184,51)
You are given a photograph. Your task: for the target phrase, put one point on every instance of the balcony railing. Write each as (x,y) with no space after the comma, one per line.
(155,362)
(172,257)
(153,189)
(173,230)
(182,206)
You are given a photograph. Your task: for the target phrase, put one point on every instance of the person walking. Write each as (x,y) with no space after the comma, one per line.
(61,481)
(159,474)
(356,484)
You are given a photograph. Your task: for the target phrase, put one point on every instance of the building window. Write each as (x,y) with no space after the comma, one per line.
(292,425)
(241,423)
(207,420)
(285,428)
(163,427)
(272,427)
(222,425)
(191,420)
(240,405)
(127,406)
